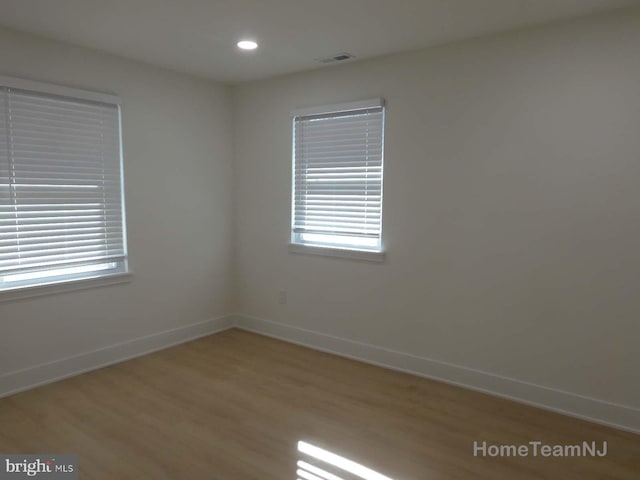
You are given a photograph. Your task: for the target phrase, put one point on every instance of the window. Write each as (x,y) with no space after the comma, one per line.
(337,176)
(61,191)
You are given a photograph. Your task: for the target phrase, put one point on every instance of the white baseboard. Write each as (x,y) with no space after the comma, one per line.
(599,411)
(17,381)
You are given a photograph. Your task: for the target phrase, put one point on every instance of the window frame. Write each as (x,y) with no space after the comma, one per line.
(296,243)
(121,271)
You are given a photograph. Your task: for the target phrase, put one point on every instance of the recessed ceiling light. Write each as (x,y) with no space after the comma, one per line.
(247,45)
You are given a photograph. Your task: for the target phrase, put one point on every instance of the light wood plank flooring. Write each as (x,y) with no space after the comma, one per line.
(235,405)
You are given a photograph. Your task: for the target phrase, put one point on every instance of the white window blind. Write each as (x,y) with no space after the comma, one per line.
(61,207)
(338,170)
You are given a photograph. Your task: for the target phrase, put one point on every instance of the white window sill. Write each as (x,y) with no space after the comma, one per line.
(362,255)
(64,286)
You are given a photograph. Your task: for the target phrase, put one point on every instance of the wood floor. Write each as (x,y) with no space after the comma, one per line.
(235,405)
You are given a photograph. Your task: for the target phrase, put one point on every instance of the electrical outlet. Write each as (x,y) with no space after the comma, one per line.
(282,297)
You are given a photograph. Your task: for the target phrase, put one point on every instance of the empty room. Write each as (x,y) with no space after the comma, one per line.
(320,240)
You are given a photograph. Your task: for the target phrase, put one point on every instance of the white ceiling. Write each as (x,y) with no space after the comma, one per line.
(199,36)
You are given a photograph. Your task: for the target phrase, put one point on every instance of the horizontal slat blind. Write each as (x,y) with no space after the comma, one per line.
(60,183)
(338,173)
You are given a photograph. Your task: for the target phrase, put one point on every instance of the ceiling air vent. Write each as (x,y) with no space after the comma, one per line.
(337,58)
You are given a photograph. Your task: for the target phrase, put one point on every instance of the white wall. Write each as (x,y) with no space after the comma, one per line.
(511,214)
(177,149)
(510,222)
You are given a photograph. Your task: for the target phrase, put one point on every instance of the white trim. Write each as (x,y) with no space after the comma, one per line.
(623,417)
(364,255)
(611,414)
(339,107)
(61,90)
(25,379)
(64,286)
